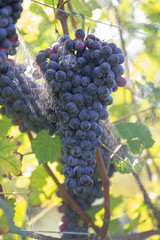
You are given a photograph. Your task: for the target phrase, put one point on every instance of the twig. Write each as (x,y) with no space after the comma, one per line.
(115,154)
(28,153)
(19,193)
(116,150)
(70,200)
(30,135)
(131,87)
(41,214)
(74,24)
(147,200)
(105,183)
(122,40)
(62,16)
(132,114)
(2,193)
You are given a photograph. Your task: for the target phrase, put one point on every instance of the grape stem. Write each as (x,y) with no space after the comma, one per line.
(132,114)
(105,183)
(115,154)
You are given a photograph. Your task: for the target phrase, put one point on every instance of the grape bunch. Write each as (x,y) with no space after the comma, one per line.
(21,100)
(10,12)
(82,74)
(70,221)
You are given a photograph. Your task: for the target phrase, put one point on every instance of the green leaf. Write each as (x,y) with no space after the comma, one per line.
(138,165)
(150,91)
(78,6)
(93,210)
(6,219)
(115,226)
(9,161)
(122,166)
(46,149)
(1,178)
(11,202)
(129,227)
(137,134)
(42,186)
(38,10)
(5,124)
(115,202)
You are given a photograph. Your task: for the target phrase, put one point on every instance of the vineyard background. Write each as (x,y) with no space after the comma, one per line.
(135,26)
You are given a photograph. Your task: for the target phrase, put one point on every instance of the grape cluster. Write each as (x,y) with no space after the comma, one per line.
(10,12)
(21,100)
(70,221)
(82,74)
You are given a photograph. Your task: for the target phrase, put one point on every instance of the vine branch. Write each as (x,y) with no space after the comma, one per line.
(105,183)
(62,16)
(115,154)
(132,114)
(2,193)
(147,199)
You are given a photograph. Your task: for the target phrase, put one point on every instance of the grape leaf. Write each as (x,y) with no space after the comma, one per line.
(129,227)
(93,210)
(122,166)
(9,161)
(38,10)
(42,186)
(20,211)
(115,202)
(1,177)
(46,149)
(5,124)
(150,91)
(6,219)
(138,165)
(135,133)
(115,226)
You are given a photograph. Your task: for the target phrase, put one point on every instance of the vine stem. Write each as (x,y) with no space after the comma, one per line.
(67,196)
(41,214)
(62,16)
(105,183)
(2,193)
(132,114)
(30,136)
(147,199)
(115,154)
